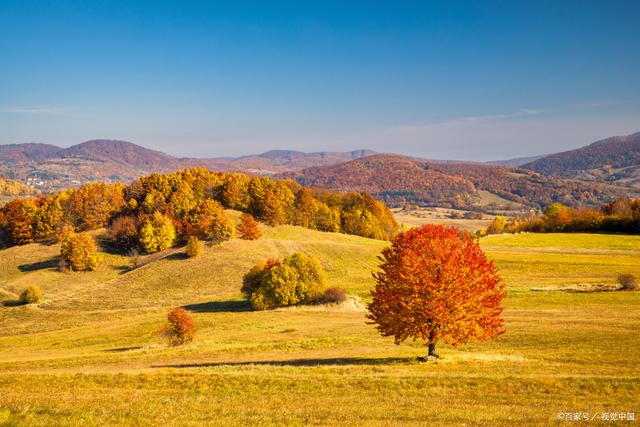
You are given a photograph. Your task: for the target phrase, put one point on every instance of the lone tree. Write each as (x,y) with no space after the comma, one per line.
(436,284)
(248,228)
(79,252)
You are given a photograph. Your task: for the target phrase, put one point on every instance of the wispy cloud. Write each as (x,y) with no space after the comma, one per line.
(55,111)
(601,103)
(463,120)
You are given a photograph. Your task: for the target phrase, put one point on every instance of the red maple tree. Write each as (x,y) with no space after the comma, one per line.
(437,284)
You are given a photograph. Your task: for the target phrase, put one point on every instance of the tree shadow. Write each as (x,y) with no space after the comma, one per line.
(219,306)
(40,265)
(177,256)
(12,303)
(108,246)
(122,349)
(338,361)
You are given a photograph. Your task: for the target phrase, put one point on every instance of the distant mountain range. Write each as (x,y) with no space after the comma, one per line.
(590,175)
(49,167)
(517,162)
(615,159)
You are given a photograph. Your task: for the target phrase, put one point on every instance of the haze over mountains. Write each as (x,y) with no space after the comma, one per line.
(587,176)
(50,167)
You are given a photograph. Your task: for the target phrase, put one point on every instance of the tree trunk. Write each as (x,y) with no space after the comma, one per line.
(432,351)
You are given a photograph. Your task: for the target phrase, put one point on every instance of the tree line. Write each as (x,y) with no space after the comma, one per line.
(619,216)
(161,210)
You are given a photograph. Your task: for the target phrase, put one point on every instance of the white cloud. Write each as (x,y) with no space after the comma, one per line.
(57,111)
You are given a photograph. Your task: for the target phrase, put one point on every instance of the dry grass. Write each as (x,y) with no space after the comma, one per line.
(92,355)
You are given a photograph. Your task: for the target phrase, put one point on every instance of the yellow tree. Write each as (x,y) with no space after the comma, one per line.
(79,252)
(157,233)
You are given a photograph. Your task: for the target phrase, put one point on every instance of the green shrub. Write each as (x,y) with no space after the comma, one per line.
(628,282)
(298,279)
(31,295)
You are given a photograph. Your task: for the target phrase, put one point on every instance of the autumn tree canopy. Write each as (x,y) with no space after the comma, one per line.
(436,285)
(193,203)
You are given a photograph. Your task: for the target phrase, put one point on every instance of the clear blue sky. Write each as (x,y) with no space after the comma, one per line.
(451,79)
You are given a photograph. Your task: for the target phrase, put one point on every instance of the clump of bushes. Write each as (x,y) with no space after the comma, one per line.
(180,328)
(297,279)
(31,295)
(628,282)
(194,247)
(333,296)
(79,252)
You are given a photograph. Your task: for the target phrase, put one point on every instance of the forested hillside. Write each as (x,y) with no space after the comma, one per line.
(611,159)
(398,180)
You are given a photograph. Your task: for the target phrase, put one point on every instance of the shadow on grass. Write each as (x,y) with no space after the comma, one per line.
(12,303)
(219,306)
(122,349)
(177,256)
(40,265)
(339,361)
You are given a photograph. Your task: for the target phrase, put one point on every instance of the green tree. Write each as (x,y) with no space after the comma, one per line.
(298,279)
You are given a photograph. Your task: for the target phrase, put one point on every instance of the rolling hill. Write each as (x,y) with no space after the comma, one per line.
(90,354)
(615,159)
(399,180)
(49,167)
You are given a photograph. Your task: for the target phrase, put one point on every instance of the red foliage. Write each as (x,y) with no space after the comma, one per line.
(180,329)
(436,284)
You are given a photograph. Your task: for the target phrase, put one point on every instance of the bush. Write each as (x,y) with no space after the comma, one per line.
(124,231)
(248,228)
(194,247)
(333,296)
(79,252)
(180,328)
(298,279)
(628,282)
(31,295)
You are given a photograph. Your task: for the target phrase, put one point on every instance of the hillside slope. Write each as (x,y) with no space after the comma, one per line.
(615,159)
(399,180)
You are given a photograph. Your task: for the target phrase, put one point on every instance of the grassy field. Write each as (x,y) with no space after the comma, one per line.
(90,354)
(419,216)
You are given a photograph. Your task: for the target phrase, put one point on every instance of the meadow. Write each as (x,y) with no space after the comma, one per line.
(90,354)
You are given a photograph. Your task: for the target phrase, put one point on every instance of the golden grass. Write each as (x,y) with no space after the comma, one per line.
(91,355)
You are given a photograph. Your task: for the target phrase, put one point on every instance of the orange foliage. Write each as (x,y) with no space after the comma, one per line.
(434,285)
(180,328)
(248,228)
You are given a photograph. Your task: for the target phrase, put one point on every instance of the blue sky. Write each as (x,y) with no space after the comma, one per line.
(459,80)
